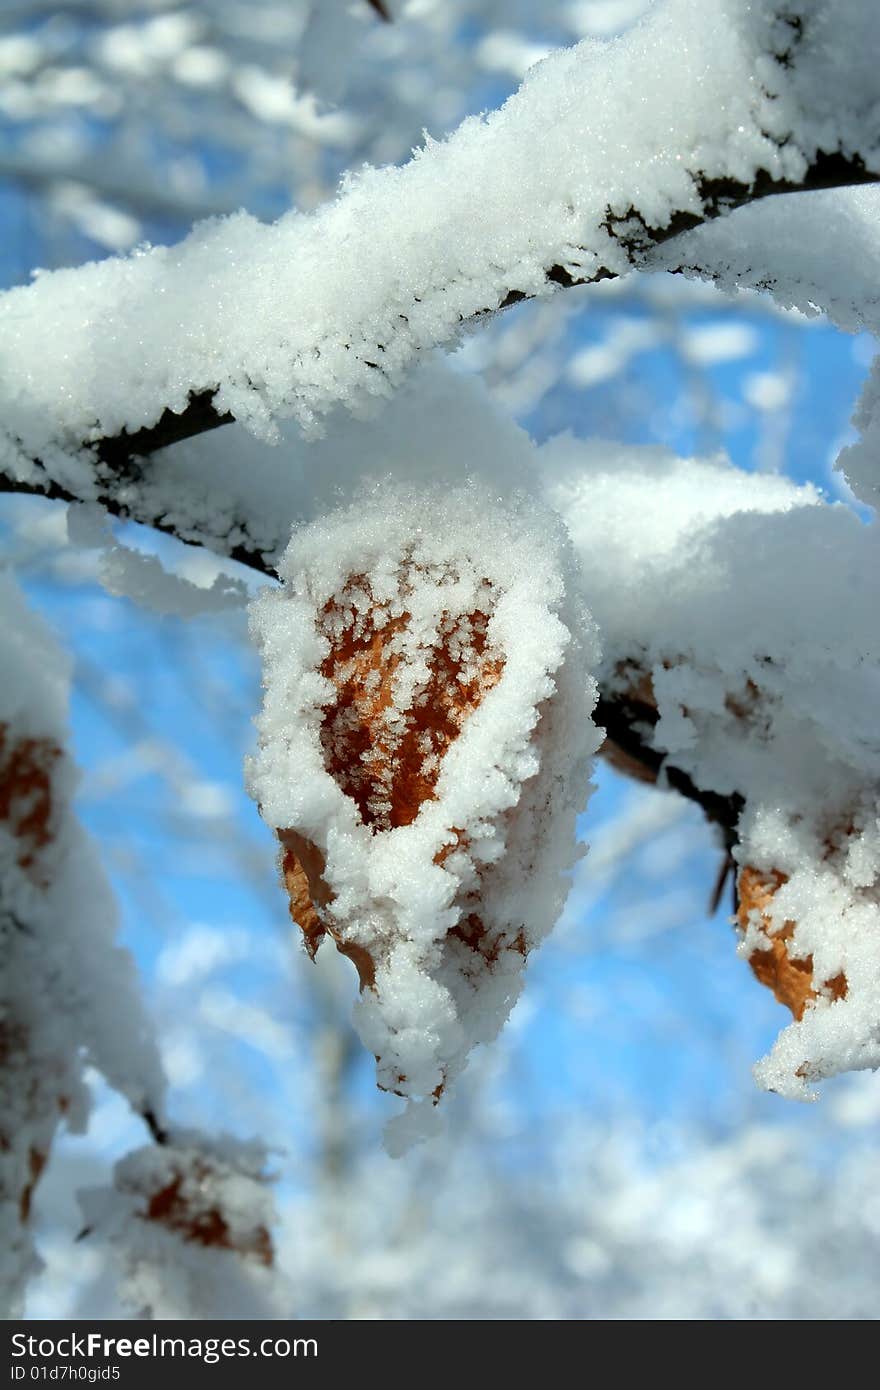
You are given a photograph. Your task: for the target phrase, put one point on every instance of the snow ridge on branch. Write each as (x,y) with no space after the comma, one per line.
(115,454)
(568,184)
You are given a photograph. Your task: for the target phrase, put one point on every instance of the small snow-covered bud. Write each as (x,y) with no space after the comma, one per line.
(424,750)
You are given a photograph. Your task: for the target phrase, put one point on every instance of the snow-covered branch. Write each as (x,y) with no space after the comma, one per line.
(117,454)
(569,183)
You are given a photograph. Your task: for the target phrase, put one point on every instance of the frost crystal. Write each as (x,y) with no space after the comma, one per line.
(424,749)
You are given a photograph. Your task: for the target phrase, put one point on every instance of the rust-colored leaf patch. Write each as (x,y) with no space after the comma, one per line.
(382,752)
(387,758)
(26,768)
(789,977)
(170,1207)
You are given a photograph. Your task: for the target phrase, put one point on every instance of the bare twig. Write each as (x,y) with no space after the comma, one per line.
(626,722)
(158,1131)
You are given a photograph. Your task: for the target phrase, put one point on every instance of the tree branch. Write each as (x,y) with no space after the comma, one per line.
(384,224)
(623,718)
(117,455)
(199,417)
(629,231)
(244,554)
(719,197)
(626,722)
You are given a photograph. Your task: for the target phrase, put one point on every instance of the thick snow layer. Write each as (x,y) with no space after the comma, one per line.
(228,488)
(424,750)
(697,564)
(744,609)
(290,319)
(68,995)
(186,1225)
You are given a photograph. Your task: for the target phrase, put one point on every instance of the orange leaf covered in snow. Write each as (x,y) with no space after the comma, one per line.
(424,750)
